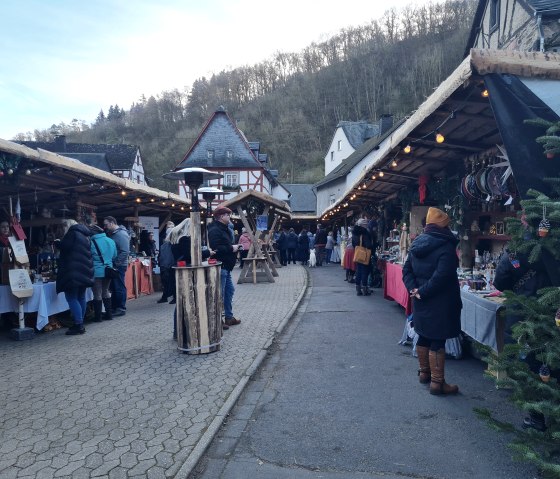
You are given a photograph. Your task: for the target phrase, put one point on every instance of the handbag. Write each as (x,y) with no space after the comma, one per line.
(362,254)
(110,271)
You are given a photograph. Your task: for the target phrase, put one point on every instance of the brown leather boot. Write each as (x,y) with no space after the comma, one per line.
(424,374)
(437,366)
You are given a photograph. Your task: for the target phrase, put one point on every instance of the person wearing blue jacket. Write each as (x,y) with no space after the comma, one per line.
(101,243)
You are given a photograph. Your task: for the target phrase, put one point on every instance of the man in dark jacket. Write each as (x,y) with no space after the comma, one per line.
(118,287)
(361,237)
(221,241)
(430,275)
(320,243)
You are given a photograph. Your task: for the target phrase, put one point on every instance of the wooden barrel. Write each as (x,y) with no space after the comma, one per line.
(199,308)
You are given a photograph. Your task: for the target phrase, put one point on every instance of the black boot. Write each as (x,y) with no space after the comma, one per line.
(347,275)
(75,329)
(359,290)
(367,291)
(97,307)
(108,311)
(535,420)
(351,277)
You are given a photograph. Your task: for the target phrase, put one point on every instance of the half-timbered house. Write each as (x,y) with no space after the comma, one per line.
(222,148)
(525,25)
(124,161)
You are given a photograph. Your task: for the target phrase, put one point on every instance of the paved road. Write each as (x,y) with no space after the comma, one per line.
(121,401)
(337,398)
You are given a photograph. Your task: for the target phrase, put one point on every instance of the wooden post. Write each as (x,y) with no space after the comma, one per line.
(199,309)
(196,242)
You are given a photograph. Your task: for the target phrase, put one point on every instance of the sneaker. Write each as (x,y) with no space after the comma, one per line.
(162,300)
(119,312)
(76,329)
(232,321)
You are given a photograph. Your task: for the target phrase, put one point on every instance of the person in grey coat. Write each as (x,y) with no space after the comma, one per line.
(122,240)
(430,275)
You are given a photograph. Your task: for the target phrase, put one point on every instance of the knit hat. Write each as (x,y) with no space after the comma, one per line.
(437,217)
(221,210)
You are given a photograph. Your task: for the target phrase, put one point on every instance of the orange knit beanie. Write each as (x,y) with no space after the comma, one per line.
(437,217)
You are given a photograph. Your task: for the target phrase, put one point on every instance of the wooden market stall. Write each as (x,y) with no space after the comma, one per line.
(41,190)
(261,215)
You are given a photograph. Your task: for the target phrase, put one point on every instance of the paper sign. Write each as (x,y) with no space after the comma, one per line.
(18,247)
(20,283)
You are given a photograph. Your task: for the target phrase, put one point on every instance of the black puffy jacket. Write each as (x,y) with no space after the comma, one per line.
(431,267)
(75,264)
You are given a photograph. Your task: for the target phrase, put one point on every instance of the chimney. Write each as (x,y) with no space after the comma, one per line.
(385,123)
(60,144)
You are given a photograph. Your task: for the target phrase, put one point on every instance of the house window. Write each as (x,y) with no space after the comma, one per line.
(494,14)
(332,155)
(231,179)
(229,154)
(210,154)
(339,145)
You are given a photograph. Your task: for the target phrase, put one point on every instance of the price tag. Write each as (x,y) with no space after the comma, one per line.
(20,283)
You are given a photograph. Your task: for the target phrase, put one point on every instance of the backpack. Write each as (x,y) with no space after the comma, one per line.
(165,258)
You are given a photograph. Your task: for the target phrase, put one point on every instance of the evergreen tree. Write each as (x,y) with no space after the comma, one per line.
(537,333)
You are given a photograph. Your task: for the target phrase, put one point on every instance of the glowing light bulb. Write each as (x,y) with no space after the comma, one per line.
(381,174)
(439,138)
(485,93)
(407,149)
(394,163)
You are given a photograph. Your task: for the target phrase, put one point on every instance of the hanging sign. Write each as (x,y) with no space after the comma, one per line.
(18,248)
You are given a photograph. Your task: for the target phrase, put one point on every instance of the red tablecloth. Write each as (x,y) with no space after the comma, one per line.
(394,287)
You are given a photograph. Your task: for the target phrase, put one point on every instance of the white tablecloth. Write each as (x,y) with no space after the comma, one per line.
(44,301)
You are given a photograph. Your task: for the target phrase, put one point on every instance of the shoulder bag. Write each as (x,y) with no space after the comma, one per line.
(362,254)
(110,271)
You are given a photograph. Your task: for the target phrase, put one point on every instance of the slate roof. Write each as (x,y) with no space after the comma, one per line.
(97,160)
(344,168)
(303,199)
(119,157)
(358,132)
(220,135)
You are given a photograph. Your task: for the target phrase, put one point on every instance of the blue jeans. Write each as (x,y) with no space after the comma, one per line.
(362,273)
(118,289)
(329,254)
(227,292)
(76,299)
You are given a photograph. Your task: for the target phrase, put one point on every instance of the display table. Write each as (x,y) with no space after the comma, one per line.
(394,288)
(138,278)
(45,302)
(480,320)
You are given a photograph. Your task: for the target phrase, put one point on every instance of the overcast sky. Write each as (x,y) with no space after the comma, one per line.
(65,59)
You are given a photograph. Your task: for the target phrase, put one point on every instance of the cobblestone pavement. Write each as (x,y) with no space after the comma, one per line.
(120,401)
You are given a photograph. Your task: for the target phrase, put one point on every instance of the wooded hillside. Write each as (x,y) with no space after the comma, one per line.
(292,102)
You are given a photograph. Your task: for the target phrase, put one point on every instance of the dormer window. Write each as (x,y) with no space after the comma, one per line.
(339,145)
(229,154)
(494,14)
(210,154)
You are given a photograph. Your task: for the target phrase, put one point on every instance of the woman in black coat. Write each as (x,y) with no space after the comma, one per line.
(361,236)
(75,272)
(430,275)
(303,247)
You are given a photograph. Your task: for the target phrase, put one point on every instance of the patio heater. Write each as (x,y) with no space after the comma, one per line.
(199,293)
(194,178)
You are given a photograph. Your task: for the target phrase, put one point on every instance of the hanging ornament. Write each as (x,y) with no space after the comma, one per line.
(544,225)
(544,373)
(557,317)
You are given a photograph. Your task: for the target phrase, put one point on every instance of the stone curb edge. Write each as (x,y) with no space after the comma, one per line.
(205,440)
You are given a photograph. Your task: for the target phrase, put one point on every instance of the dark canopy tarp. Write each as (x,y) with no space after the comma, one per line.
(513,103)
